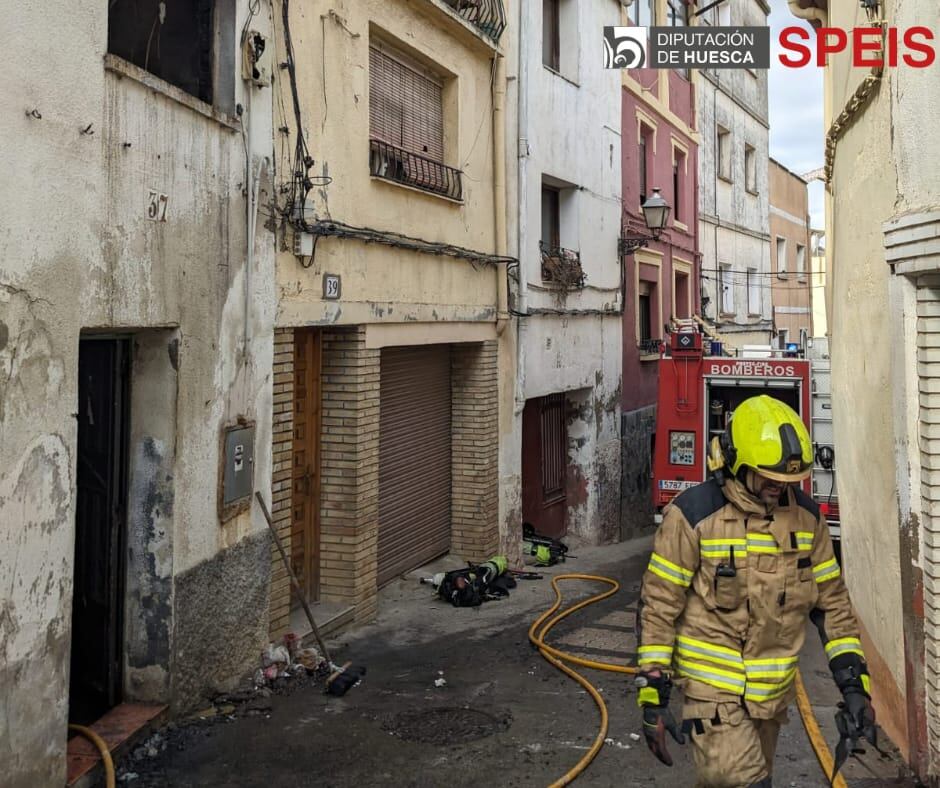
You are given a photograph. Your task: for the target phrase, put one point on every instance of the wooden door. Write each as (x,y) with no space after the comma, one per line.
(305,496)
(100,512)
(544,465)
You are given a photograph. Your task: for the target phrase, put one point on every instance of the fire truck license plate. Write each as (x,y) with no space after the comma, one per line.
(672,484)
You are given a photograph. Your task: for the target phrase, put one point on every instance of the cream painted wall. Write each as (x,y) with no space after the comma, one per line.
(380,283)
(858,203)
(77,252)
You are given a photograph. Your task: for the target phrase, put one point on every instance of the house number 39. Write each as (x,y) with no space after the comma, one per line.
(156,206)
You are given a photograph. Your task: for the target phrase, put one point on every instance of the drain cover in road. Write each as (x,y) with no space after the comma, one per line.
(446,726)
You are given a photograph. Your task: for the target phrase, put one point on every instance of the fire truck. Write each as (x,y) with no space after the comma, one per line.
(699,388)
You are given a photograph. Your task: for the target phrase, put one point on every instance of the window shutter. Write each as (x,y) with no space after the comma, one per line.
(405,106)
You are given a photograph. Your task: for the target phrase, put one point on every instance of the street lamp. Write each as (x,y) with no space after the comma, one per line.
(655,214)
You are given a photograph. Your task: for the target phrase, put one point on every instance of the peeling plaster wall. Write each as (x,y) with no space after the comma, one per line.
(733,221)
(573,137)
(77,252)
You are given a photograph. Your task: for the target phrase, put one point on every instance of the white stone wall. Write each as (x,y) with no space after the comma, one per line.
(566,128)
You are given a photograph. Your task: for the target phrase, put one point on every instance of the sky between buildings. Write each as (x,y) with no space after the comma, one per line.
(796,112)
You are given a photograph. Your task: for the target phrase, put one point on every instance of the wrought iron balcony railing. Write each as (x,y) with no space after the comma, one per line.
(649,347)
(562,267)
(488,16)
(396,164)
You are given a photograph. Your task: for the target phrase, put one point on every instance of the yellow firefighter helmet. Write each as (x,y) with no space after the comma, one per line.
(768,436)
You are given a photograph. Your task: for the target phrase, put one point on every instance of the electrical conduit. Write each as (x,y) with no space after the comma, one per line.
(543,625)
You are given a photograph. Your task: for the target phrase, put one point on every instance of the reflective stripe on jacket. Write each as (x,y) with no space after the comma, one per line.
(728,589)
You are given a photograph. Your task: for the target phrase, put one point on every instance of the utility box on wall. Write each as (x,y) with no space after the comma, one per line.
(238,461)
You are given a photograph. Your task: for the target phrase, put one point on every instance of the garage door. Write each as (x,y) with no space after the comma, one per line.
(414,458)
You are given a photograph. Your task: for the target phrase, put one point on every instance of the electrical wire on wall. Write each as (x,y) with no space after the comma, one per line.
(301,182)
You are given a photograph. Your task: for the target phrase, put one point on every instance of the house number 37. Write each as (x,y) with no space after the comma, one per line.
(156,206)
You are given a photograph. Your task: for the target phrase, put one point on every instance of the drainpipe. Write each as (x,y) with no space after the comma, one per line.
(499,191)
(522,152)
(252,182)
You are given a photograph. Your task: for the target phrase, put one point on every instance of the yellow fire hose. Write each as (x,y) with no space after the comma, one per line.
(543,625)
(102,746)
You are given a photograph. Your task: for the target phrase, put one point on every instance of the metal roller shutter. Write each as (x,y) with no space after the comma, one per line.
(414,458)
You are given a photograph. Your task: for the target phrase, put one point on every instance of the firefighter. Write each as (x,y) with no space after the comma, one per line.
(738,564)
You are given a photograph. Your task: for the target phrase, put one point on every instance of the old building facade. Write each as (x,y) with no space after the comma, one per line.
(790,258)
(734,209)
(660,150)
(883,290)
(560,465)
(391,295)
(136,314)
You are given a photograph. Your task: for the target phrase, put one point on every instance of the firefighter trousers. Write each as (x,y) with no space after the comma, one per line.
(730,749)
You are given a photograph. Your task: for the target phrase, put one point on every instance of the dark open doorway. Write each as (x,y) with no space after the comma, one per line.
(97,657)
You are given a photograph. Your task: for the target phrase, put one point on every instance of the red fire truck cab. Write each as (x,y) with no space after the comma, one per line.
(697,396)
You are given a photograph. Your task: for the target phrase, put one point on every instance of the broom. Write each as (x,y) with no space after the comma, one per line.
(343,677)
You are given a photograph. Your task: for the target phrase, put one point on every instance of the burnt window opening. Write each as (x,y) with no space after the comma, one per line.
(172,39)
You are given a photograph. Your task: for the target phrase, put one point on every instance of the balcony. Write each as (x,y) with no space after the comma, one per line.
(487,16)
(395,164)
(649,347)
(562,267)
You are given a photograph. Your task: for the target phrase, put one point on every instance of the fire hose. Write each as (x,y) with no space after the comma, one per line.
(543,625)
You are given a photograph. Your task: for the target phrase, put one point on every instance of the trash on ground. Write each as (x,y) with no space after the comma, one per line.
(440,682)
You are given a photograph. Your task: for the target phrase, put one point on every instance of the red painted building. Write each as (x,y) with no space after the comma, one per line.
(659,146)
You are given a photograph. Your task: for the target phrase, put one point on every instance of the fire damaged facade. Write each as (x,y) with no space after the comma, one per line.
(136,330)
(560,444)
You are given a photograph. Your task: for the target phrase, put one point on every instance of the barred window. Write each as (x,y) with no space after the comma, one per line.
(405,104)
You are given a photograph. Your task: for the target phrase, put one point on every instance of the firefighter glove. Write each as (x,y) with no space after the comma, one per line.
(856,712)
(653,691)
(859,715)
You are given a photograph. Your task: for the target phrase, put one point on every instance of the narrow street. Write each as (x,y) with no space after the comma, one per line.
(504,716)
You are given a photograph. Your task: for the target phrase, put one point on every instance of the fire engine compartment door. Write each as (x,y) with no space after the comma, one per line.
(723,395)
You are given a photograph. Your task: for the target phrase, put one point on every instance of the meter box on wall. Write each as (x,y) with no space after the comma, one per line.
(238,459)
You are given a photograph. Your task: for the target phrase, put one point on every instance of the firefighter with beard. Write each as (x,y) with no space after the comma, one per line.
(738,564)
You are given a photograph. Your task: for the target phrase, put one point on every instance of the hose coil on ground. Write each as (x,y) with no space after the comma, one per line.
(543,625)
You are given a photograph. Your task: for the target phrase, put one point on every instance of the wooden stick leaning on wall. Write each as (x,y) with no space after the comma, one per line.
(294,582)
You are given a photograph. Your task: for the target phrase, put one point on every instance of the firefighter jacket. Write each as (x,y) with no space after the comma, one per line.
(727,592)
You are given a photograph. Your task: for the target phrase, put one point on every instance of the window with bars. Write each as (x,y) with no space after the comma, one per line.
(677,13)
(554,446)
(406,107)
(642,13)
